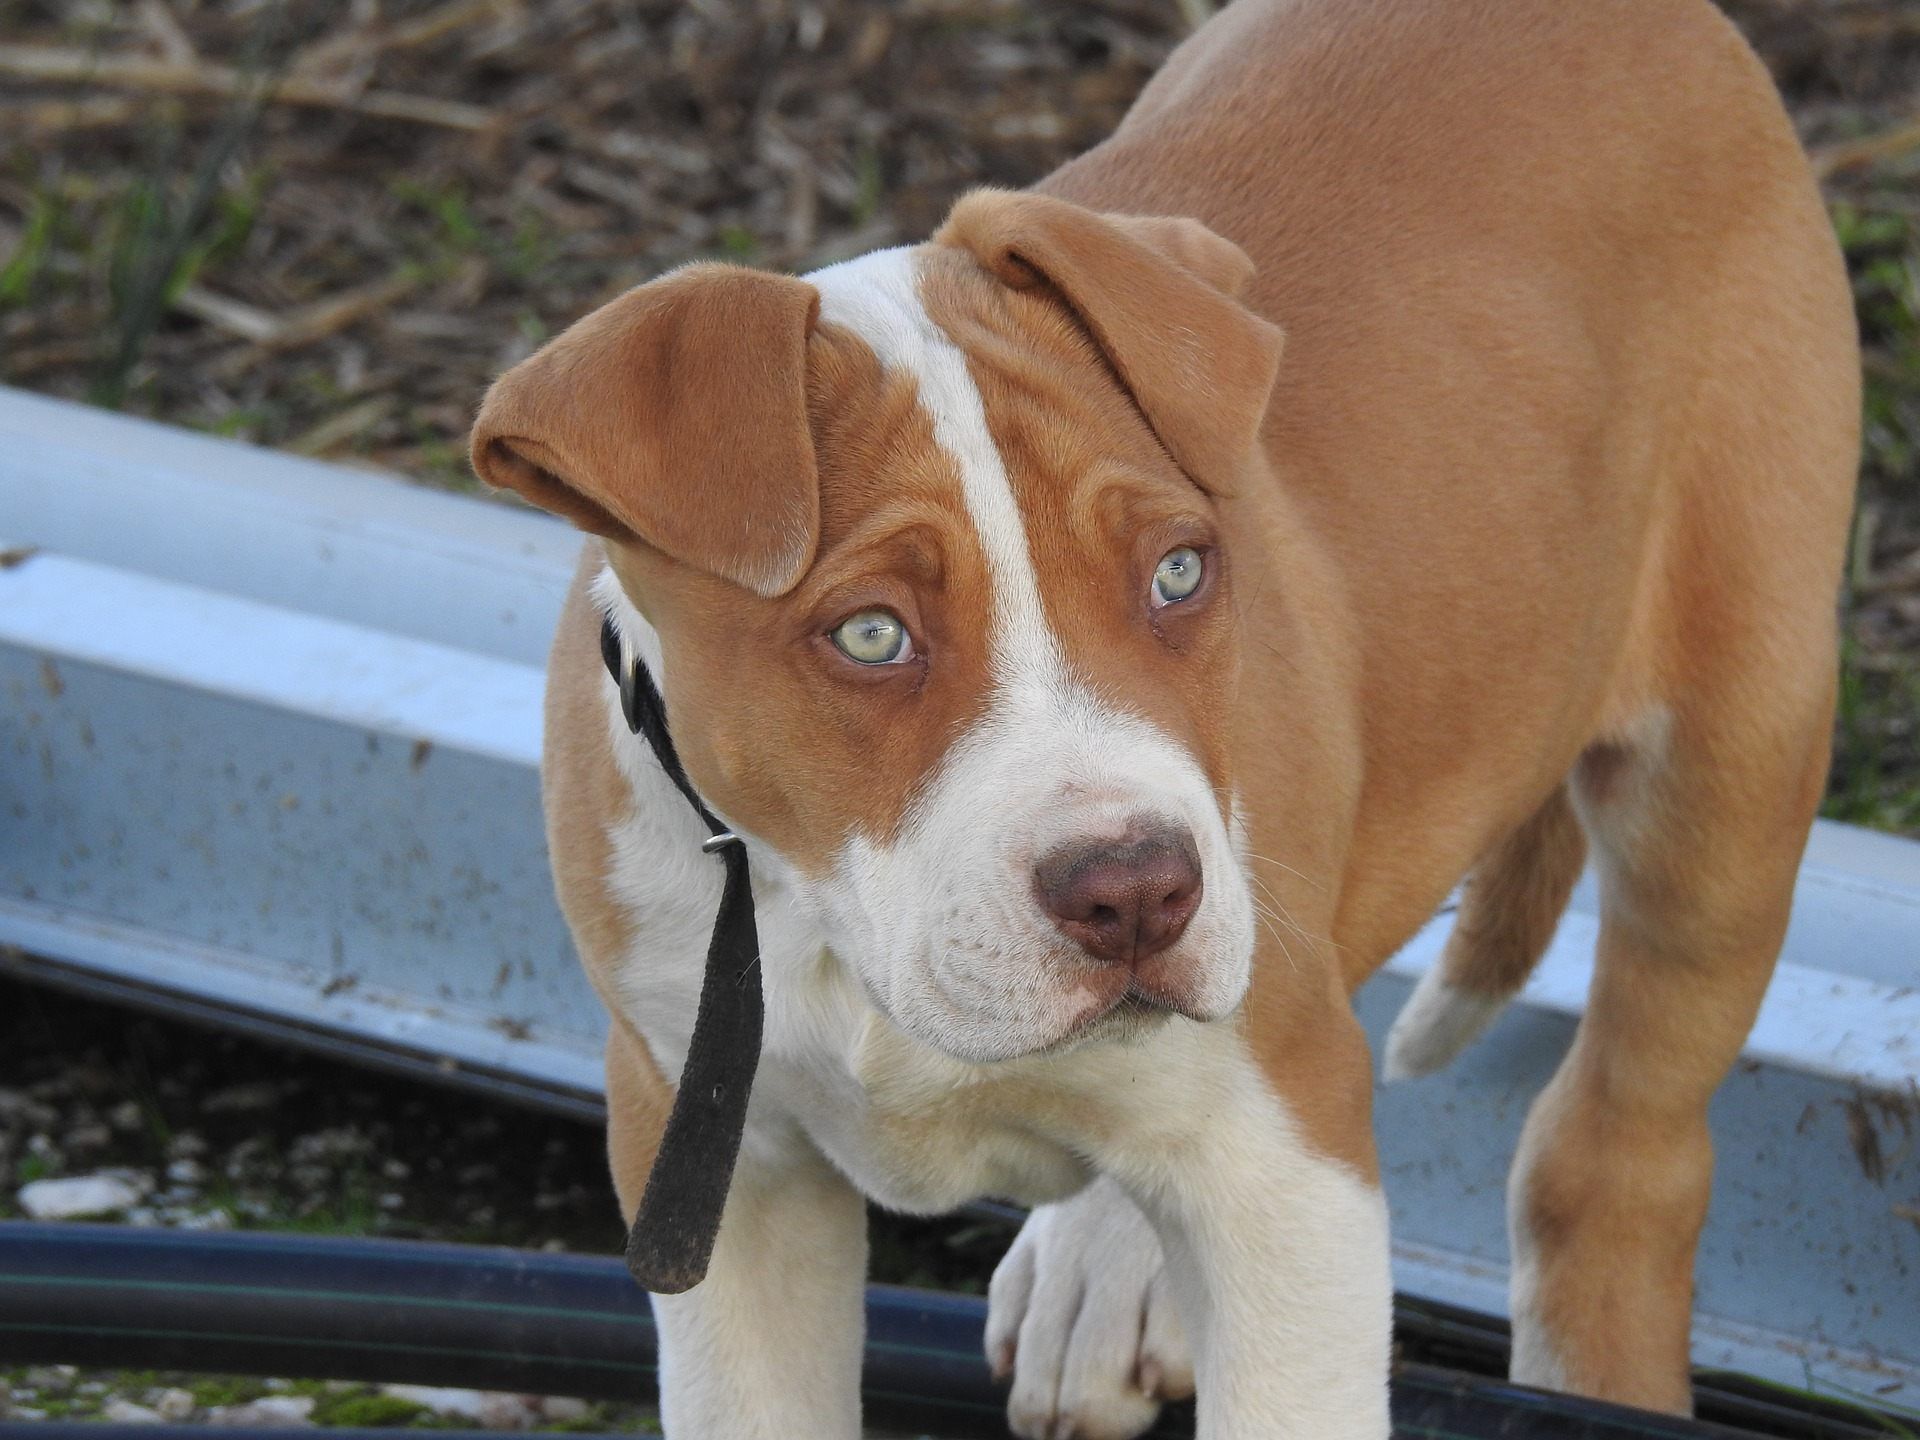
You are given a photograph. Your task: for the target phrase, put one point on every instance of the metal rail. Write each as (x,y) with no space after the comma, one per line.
(268,734)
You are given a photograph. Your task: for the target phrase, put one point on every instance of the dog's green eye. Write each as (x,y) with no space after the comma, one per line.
(1177,576)
(873,637)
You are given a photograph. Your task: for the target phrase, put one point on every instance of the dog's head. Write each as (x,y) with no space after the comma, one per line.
(931,544)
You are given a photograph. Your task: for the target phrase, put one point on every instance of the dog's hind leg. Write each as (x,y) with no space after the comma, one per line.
(767,1347)
(1696,796)
(1698,826)
(1512,902)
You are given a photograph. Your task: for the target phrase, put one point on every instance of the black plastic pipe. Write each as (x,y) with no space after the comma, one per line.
(432,1314)
(500,1319)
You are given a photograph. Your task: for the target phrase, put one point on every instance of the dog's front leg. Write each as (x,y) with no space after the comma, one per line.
(1082,1315)
(1277,1249)
(767,1346)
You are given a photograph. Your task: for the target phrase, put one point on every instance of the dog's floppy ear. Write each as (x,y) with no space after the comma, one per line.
(1159,295)
(676,414)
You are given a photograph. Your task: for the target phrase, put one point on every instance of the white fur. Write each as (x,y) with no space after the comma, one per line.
(1276,1256)
(768,1346)
(1438,1021)
(1535,1357)
(1083,1303)
(670,888)
(793,1225)
(889,986)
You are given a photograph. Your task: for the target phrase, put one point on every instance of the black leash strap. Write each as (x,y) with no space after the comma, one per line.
(679,1216)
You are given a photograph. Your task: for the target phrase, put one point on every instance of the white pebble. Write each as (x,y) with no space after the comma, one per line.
(268,1410)
(509,1412)
(125,1412)
(75,1197)
(490,1409)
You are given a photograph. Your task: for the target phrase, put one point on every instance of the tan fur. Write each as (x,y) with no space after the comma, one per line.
(1202,381)
(601,426)
(890,534)
(1514,900)
(1543,518)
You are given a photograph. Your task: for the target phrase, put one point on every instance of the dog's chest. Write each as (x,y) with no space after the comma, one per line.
(923,1133)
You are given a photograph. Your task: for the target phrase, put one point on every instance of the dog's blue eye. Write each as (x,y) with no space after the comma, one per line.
(873,637)
(1177,576)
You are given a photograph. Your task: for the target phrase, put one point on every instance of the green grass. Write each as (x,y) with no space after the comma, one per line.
(1883,256)
(1876,779)
(336,1404)
(368,1408)
(738,244)
(23,270)
(211,1390)
(454,231)
(158,238)
(1876,767)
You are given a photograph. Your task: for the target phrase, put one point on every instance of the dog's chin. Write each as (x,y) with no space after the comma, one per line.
(1093,1004)
(1116,1009)
(1135,1015)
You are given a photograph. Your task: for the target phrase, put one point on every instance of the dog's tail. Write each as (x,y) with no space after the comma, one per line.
(1508,912)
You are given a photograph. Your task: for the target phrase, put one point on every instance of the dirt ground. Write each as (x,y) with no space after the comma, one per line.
(324,224)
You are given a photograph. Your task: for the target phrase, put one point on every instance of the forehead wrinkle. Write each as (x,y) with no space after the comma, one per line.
(1055,406)
(1091,479)
(872,439)
(911,537)
(878,298)
(1081,464)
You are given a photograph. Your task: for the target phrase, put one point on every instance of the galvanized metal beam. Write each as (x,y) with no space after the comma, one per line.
(268,751)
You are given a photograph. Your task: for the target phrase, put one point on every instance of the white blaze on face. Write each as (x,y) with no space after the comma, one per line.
(943,925)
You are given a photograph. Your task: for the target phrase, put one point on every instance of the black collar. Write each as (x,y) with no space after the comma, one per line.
(679,1216)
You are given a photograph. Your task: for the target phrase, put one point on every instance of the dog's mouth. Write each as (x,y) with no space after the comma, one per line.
(1134,1010)
(1137,1000)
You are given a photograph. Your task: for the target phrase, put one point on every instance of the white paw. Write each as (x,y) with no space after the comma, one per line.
(1080,1314)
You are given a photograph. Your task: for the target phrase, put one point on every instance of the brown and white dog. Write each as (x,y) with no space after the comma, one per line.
(1104,694)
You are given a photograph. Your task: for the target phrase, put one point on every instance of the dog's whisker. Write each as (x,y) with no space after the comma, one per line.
(1287,916)
(1300,875)
(1281,913)
(1279,940)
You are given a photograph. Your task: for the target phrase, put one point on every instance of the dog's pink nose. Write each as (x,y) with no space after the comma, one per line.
(1124,901)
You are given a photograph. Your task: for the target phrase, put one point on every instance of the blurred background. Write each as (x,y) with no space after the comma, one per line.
(324,225)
